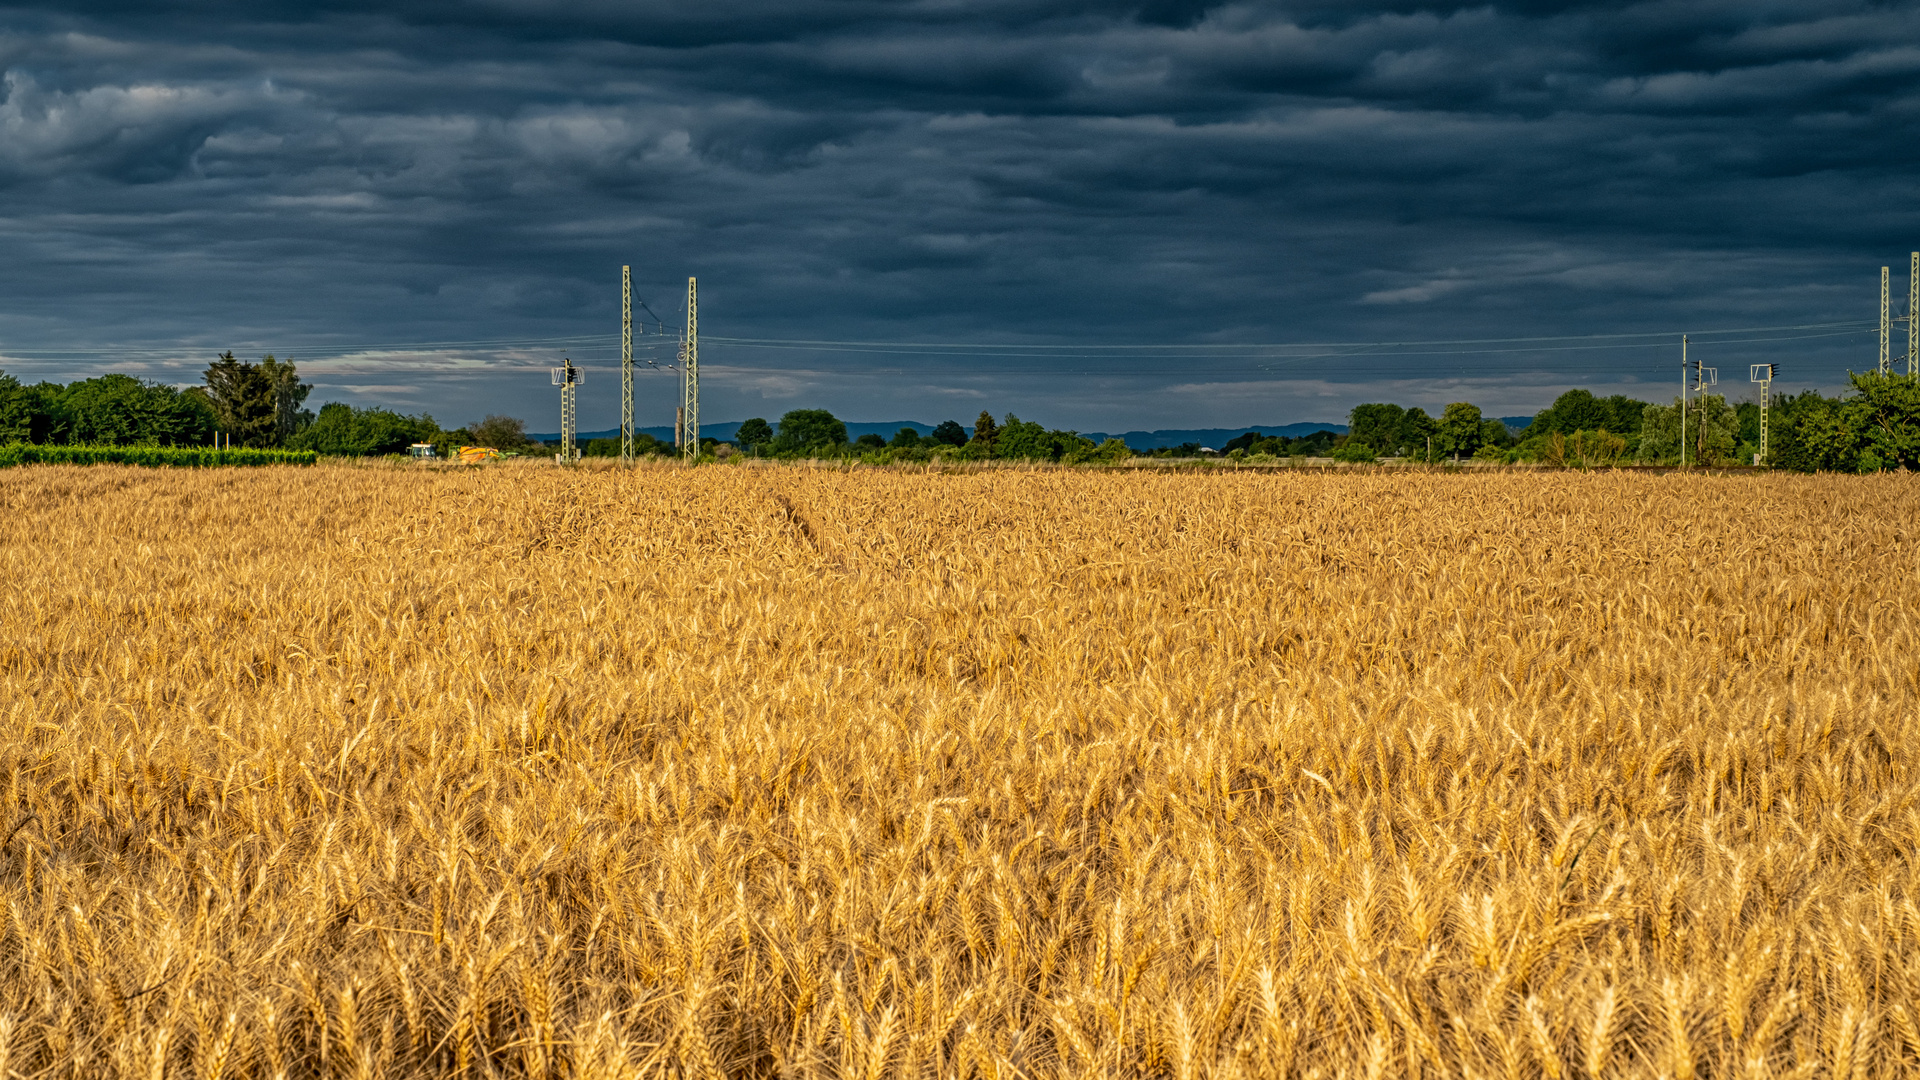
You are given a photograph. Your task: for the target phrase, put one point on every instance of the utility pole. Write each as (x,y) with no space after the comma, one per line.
(1683,400)
(1701,377)
(566,378)
(1764,375)
(626,365)
(1885,327)
(690,377)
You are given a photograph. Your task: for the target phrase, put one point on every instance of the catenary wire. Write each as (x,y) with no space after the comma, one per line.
(1275,354)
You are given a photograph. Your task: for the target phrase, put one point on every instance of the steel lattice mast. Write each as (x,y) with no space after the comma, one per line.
(1886,327)
(1913,315)
(567,378)
(690,376)
(626,365)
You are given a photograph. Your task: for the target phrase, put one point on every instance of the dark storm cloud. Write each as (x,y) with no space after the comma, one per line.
(180,179)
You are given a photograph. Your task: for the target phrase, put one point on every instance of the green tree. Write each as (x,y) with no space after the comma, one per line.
(1459,430)
(448,443)
(871,441)
(949,432)
(1659,434)
(1624,414)
(1712,430)
(344,431)
(17,410)
(1377,426)
(1495,434)
(643,444)
(1416,428)
(1024,440)
(1748,415)
(1827,438)
(1886,413)
(754,434)
(986,434)
(905,439)
(809,431)
(1313,444)
(1787,424)
(1019,439)
(245,400)
(1579,410)
(289,393)
(500,432)
(1575,410)
(120,410)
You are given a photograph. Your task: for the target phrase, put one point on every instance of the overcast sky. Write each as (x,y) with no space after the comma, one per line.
(1065,176)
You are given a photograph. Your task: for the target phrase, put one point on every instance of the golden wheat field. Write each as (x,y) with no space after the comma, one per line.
(352,772)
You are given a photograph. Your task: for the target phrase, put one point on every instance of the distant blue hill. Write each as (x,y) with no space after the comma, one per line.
(1138,440)
(1154,440)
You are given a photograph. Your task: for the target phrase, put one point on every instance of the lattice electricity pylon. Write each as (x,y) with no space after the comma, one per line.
(690,377)
(567,378)
(1886,327)
(626,365)
(1912,317)
(1763,374)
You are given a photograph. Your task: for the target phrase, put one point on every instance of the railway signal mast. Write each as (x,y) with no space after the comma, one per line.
(567,378)
(1683,401)
(1764,375)
(1694,378)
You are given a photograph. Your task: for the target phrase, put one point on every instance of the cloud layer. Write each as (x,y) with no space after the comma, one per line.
(269,177)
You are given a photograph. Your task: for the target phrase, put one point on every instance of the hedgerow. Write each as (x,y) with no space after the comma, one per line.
(152,456)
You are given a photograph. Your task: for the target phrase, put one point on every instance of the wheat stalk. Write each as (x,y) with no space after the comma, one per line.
(351,771)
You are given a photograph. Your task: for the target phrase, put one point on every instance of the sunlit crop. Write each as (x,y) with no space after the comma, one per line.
(515,771)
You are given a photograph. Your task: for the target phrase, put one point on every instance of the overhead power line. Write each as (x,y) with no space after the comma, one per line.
(1668,336)
(1227,356)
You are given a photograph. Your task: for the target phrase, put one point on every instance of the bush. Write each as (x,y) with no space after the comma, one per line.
(1354,453)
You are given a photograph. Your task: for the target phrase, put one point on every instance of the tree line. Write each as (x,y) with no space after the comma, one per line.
(1874,425)
(817,433)
(253,405)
